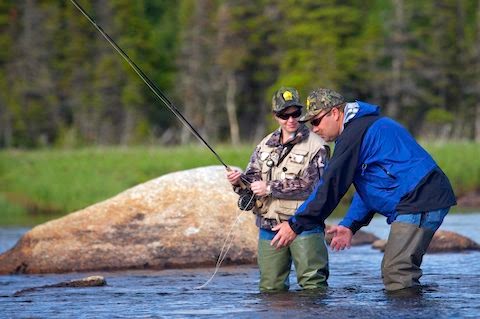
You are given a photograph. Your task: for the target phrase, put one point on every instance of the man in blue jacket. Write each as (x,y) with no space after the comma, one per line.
(393,176)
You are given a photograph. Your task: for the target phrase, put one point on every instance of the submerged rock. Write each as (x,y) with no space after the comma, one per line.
(177,220)
(379,244)
(447,241)
(92,281)
(443,241)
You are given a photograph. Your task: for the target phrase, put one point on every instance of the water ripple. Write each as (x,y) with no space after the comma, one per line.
(450,290)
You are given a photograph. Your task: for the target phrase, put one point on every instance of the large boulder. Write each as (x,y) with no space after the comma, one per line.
(442,241)
(177,220)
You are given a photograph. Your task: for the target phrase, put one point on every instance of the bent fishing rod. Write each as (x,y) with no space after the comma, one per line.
(244,203)
(153,87)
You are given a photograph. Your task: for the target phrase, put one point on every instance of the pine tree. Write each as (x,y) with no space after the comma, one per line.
(8,14)
(476,83)
(32,99)
(317,43)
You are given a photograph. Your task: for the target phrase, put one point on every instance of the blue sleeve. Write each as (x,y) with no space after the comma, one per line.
(338,176)
(358,215)
(329,190)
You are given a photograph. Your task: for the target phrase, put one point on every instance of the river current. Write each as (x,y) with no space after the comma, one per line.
(451,288)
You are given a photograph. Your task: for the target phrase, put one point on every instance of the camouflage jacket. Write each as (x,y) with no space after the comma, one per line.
(299,188)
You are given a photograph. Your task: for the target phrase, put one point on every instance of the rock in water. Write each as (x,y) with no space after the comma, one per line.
(92,281)
(379,244)
(177,220)
(448,241)
(443,241)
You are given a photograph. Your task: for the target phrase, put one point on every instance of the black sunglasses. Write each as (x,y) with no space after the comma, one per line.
(286,116)
(317,121)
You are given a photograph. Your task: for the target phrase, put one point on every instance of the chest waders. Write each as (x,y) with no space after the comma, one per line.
(408,241)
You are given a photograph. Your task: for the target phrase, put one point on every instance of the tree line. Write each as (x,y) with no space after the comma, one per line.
(61,84)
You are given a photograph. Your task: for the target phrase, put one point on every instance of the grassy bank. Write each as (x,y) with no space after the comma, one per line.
(39,185)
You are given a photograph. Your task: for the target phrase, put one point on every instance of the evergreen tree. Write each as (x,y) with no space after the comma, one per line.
(31,96)
(8,14)
(163,37)
(316,39)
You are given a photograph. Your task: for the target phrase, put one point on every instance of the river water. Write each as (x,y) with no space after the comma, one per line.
(451,289)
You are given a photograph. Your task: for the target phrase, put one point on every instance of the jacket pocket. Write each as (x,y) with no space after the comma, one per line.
(298,157)
(288,207)
(379,176)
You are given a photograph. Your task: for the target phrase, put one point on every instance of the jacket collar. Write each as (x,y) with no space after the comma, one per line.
(301,134)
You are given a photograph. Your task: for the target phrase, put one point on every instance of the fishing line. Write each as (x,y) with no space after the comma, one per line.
(160,96)
(153,87)
(223,252)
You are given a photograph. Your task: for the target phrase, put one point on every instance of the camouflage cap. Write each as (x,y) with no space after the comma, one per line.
(321,99)
(284,98)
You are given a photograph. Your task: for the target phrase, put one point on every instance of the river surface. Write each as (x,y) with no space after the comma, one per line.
(451,288)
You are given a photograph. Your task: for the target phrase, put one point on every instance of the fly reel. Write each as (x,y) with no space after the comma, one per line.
(246,201)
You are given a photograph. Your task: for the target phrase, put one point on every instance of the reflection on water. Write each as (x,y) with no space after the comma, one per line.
(451,289)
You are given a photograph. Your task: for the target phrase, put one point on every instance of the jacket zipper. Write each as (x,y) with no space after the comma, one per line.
(364,167)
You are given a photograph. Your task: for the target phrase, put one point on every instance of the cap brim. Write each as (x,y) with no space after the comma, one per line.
(308,116)
(289,104)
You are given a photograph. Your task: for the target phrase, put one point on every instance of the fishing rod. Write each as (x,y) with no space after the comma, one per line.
(244,203)
(153,87)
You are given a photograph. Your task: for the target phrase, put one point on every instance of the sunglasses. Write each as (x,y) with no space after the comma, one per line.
(317,121)
(286,116)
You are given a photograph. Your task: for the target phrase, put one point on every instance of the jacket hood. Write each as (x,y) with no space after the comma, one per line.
(359,109)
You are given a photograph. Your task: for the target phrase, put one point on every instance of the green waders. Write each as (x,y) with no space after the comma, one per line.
(310,257)
(407,243)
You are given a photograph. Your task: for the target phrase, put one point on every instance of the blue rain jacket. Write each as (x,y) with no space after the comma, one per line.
(391,172)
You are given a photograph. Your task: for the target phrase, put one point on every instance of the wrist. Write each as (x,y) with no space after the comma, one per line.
(348,226)
(297,229)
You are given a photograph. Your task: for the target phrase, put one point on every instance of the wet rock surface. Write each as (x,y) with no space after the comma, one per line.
(91,281)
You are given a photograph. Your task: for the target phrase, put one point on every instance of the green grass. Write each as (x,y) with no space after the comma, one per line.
(39,185)
(50,183)
(460,161)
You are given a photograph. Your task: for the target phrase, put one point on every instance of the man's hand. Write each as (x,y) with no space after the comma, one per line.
(259,188)
(234,177)
(284,237)
(342,237)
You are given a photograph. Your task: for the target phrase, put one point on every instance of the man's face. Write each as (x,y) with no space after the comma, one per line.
(326,124)
(288,119)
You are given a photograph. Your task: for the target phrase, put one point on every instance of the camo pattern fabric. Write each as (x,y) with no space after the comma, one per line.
(298,189)
(284,98)
(321,99)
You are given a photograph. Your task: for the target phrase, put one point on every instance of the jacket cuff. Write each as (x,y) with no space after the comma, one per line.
(295,226)
(352,225)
